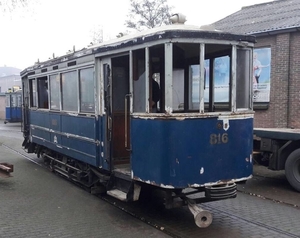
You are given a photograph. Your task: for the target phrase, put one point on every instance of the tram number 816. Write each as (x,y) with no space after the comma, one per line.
(218,138)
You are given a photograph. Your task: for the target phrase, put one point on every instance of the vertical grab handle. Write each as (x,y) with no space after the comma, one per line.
(126,115)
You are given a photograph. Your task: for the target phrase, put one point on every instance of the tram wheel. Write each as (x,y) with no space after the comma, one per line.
(292,169)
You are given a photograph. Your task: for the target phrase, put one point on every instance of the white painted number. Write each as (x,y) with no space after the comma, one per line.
(218,138)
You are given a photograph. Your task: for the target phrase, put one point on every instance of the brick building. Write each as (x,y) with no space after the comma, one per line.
(9,82)
(276,26)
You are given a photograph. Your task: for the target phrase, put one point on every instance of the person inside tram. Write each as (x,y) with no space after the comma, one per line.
(155,94)
(155,85)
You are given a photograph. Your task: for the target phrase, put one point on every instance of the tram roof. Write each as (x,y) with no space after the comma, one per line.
(159,33)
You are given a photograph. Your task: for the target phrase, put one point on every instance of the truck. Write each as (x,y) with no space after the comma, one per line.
(279,149)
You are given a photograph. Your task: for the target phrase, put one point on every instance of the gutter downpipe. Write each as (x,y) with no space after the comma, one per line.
(288,85)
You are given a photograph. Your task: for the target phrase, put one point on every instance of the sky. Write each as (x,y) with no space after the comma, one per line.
(48,27)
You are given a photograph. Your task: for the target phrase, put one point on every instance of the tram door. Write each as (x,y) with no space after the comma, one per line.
(116,90)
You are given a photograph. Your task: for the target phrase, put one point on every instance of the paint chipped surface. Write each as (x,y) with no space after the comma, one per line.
(202,170)
(220,182)
(183,116)
(225,124)
(167,186)
(236,116)
(152,183)
(169,110)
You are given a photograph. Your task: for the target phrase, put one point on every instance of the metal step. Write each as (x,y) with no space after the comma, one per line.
(116,193)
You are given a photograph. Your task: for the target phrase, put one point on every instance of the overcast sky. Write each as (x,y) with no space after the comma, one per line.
(54,26)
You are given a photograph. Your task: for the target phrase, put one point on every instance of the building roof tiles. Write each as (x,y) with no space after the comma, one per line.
(262,18)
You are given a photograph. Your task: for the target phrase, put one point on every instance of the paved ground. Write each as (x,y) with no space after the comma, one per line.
(36,203)
(271,185)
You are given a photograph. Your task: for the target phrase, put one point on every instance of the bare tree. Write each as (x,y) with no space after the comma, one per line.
(10,5)
(148,14)
(96,34)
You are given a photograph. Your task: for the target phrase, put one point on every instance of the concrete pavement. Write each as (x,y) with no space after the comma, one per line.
(36,203)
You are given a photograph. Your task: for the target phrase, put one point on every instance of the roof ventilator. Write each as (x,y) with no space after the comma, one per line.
(178,18)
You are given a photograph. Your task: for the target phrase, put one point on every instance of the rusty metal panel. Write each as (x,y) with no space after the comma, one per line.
(6,169)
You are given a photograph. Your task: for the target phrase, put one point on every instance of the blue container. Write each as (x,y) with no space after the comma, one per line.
(13,109)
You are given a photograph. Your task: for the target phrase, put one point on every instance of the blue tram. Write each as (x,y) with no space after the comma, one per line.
(95,116)
(13,108)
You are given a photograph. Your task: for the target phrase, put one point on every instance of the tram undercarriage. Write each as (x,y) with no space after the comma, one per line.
(119,184)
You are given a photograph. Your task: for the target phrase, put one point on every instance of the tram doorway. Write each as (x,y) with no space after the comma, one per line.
(116,86)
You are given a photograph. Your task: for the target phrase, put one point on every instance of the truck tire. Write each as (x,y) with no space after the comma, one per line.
(292,169)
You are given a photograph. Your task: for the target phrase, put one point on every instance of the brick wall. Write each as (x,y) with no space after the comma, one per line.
(294,87)
(284,103)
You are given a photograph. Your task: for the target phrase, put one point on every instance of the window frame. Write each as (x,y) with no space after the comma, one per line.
(75,71)
(50,91)
(80,90)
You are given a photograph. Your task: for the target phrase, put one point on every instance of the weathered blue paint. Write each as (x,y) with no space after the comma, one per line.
(8,113)
(105,149)
(13,109)
(181,153)
(13,114)
(76,136)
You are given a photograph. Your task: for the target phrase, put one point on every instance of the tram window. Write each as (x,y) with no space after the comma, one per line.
(19,100)
(243,79)
(139,81)
(42,84)
(221,79)
(194,81)
(178,90)
(8,100)
(54,92)
(156,78)
(87,91)
(69,91)
(156,92)
(218,85)
(32,85)
(13,100)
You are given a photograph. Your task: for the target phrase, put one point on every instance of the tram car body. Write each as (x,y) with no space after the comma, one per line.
(13,108)
(91,115)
